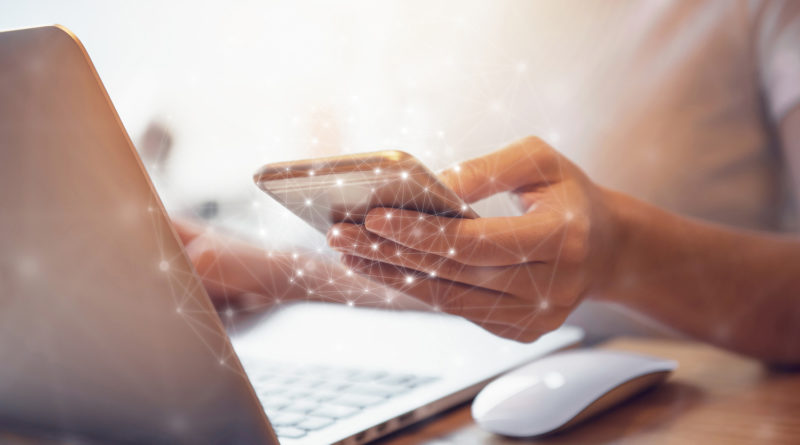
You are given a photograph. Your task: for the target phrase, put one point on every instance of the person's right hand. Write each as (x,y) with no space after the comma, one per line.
(518,277)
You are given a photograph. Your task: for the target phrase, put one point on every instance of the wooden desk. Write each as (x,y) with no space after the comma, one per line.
(713,397)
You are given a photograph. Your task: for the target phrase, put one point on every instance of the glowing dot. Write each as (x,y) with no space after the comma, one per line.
(398,253)
(349,273)
(457,168)
(374,246)
(441,229)
(451,252)
(163,265)
(308,201)
(299,272)
(388,215)
(222,362)
(350,303)
(336,232)
(426,189)
(544,304)
(339,182)
(409,279)
(310,292)
(179,310)
(437,308)
(330,281)
(229,313)
(311,173)
(347,214)
(404,175)
(377,171)
(294,256)
(420,218)
(463,207)
(432,274)
(372,190)
(569,216)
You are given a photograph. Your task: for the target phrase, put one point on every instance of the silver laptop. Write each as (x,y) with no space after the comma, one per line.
(106,332)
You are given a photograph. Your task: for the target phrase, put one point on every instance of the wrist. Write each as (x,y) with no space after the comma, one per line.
(624,218)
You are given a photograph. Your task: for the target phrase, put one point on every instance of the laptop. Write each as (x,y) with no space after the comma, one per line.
(107,333)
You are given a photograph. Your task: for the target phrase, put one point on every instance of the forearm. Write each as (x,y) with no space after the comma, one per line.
(733,288)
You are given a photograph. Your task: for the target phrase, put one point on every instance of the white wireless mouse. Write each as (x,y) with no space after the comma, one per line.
(561,390)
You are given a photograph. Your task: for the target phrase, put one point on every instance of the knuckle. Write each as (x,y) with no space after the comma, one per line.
(528,336)
(550,323)
(534,145)
(576,247)
(202,254)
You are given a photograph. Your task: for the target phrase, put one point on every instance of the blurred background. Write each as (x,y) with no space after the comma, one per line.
(209,91)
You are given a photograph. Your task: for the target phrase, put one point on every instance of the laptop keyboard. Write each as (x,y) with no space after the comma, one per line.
(300,399)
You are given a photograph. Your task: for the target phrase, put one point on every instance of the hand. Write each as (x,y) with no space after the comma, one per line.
(231,270)
(241,275)
(518,277)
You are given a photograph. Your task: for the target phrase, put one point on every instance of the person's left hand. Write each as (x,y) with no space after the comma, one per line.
(518,277)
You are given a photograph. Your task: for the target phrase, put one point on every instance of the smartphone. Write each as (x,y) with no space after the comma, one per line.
(325,191)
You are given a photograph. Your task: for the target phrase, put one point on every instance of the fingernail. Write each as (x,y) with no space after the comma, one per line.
(379,220)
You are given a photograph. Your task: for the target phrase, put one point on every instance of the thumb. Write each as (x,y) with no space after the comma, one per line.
(525,162)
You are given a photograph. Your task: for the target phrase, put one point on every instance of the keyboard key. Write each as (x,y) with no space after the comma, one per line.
(269,389)
(335,411)
(399,379)
(295,394)
(314,423)
(333,386)
(366,376)
(286,419)
(376,389)
(322,396)
(300,406)
(357,400)
(289,432)
(309,383)
(275,402)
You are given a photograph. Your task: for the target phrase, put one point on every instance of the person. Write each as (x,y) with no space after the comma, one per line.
(703,147)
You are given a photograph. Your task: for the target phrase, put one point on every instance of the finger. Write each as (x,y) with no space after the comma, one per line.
(528,280)
(188,230)
(478,242)
(524,162)
(476,304)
